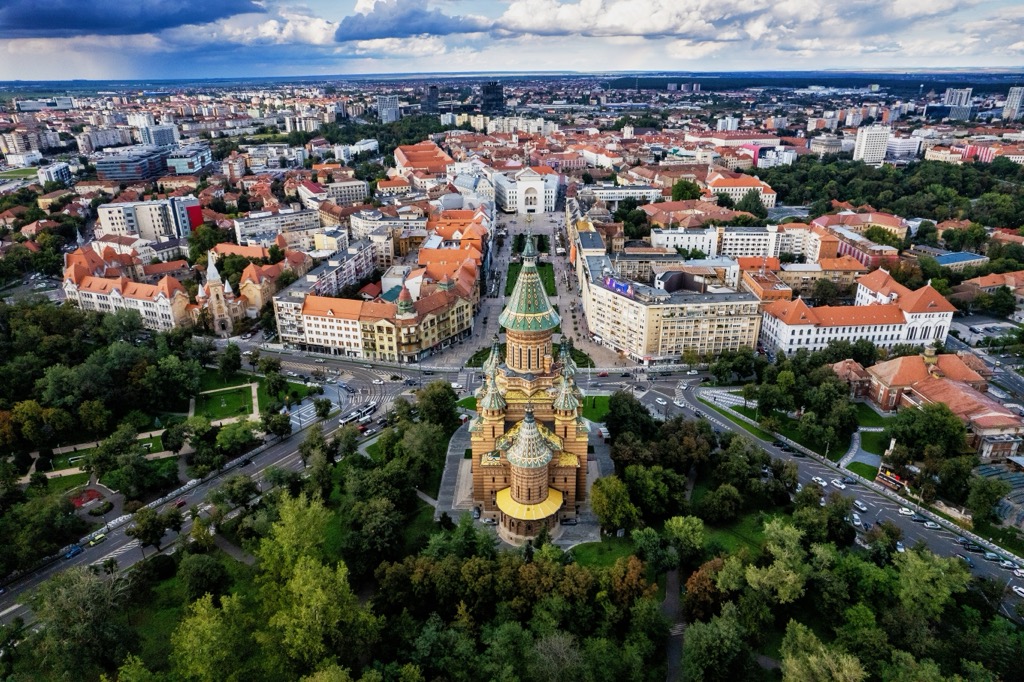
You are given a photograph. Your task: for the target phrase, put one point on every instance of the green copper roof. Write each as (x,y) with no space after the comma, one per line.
(530,450)
(528,309)
(492,398)
(494,359)
(565,398)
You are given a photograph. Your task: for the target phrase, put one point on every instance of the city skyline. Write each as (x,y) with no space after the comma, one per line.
(54,39)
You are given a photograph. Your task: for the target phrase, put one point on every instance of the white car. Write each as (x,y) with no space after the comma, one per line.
(839,484)
(903,511)
(900,548)
(1018,590)
(1019,572)
(378,382)
(856,519)
(292,374)
(455,385)
(661,401)
(678,403)
(320,361)
(931,525)
(860,506)
(692,372)
(820,481)
(1012,565)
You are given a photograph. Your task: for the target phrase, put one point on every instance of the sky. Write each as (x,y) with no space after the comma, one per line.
(138,39)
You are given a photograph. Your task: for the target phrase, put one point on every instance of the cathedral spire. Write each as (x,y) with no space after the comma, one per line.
(211,267)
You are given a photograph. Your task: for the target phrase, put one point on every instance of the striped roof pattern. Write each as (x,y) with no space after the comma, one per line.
(530,449)
(528,308)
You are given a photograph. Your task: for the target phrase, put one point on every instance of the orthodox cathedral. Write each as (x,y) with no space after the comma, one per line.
(529,438)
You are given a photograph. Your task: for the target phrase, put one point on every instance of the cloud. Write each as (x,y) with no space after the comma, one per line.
(68,18)
(283,26)
(404,18)
(417,46)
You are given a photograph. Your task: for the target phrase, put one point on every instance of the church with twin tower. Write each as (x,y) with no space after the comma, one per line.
(529,437)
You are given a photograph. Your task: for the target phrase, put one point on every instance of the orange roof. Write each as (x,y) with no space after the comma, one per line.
(925,300)
(799,313)
(375,310)
(324,306)
(226,249)
(749,263)
(908,370)
(880,281)
(842,263)
(970,405)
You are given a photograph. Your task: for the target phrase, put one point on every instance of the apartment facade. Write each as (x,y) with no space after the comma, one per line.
(262,228)
(156,221)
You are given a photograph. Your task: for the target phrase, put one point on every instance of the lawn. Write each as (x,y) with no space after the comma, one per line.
(753,430)
(64,461)
(20,173)
(373,450)
(418,528)
(547,277)
(1007,538)
(231,403)
(868,417)
(874,442)
(788,428)
(863,470)
(469,402)
(595,408)
(66,483)
(212,380)
(603,554)
(747,531)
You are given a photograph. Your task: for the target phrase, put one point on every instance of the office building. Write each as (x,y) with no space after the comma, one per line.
(91,140)
(262,228)
(190,160)
(957,97)
(133,164)
(492,98)
(387,108)
(157,221)
(871,144)
(55,172)
(141,119)
(430,100)
(1014,104)
(727,123)
(159,136)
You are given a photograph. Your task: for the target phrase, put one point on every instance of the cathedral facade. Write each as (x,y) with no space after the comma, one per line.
(529,437)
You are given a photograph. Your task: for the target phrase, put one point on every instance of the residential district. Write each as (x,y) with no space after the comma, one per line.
(679,345)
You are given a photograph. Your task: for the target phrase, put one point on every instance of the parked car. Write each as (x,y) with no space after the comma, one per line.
(97,540)
(73,552)
(860,505)
(602,374)
(820,481)
(974,549)
(661,401)
(931,525)
(692,372)
(992,556)
(489,522)
(1011,565)
(476,512)
(903,511)
(917,518)
(839,484)
(856,519)
(900,548)
(966,559)
(1018,590)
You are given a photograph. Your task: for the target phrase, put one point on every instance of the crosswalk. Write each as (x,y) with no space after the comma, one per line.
(677,629)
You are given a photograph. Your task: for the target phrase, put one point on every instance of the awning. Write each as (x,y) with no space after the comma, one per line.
(529,512)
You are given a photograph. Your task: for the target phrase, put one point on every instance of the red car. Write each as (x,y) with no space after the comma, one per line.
(179,503)
(602,374)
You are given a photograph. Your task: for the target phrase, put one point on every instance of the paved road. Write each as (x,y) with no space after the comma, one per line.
(283,454)
(880,508)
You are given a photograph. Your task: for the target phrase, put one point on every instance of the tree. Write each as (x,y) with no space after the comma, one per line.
(825,292)
(229,362)
(346,441)
(323,407)
(81,622)
(298,532)
(610,501)
(122,325)
(236,490)
(984,495)
(150,526)
(276,424)
(806,659)
(685,190)
(437,404)
(313,442)
(724,200)
(784,579)
(932,424)
(321,615)
(751,203)
(201,574)
(210,644)
(626,414)
(716,651)
(686,534)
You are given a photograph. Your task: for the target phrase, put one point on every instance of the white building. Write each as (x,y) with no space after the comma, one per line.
(1014,106)
(644,194)
(55,172)
(902,147)
(728,123)
(159,136)
(190,160)
(777,156)
(348,191)
(156,221)
(884,312)
(871,143)
(526,191)
(262,228)
(387,108)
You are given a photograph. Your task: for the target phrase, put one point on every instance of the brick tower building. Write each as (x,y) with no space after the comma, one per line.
(529,438)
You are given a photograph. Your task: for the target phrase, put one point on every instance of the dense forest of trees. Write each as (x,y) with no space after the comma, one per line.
(991,194)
